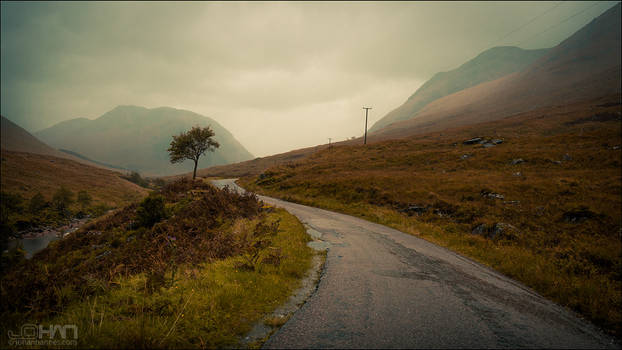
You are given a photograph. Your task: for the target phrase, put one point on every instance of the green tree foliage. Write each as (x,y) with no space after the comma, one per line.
(62,199)
(37,203)
(192,145)
(150,211)
(137,179)
(84,199)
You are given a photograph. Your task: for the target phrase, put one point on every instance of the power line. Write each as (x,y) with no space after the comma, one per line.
(558,23)
(527,23)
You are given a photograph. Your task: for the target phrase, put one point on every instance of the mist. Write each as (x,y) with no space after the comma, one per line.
(279,75)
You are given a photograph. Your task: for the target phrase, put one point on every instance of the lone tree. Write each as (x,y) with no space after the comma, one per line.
(192,145)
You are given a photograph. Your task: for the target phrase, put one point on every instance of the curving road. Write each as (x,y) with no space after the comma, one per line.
(382,288)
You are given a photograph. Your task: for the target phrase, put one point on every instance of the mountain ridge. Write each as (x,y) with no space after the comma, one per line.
(488,65)
(584,66)
(137,138)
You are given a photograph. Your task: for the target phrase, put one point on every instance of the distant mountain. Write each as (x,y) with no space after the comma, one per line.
(584,66)
(137,138)
(487,66)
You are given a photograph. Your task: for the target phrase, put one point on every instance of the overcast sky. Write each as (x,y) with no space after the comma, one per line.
(278,75)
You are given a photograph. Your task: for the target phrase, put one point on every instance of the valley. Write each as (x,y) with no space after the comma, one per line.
(197,185)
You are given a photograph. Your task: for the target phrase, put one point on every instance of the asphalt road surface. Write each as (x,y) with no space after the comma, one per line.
(382,288)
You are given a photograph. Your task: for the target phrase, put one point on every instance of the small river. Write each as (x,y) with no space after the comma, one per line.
(33,242)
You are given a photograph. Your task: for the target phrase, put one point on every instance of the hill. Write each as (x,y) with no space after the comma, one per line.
(214,264)
(487,66)
(582,67)
(137,138)
(26,174)
(15,138)
(538,199)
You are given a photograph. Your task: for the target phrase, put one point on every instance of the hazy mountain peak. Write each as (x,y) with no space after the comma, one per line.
(487,66)
(137,138)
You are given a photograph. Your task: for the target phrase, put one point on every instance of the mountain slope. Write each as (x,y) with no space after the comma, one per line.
(137,138)
(584,66)
(27,174)
(487,66)
(15,138)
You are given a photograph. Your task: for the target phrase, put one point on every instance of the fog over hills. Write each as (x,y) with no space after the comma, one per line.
(584,66)
(489,65)
(137,138)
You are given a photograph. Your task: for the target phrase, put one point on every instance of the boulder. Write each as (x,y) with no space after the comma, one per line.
(472,141)
(503,230)
(414,209)
(578,215)
(488,145)
(497,141)
(491,195)
(517,161)
(480,229)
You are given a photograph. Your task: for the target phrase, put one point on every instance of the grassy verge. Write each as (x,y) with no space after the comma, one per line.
(199,298)
(542,207)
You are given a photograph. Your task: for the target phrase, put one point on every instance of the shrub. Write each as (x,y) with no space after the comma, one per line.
(62,199)
(150,211)
(37,203)
(137,179)
(84,199)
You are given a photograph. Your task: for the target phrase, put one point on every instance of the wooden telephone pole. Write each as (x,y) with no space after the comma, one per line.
(366,110)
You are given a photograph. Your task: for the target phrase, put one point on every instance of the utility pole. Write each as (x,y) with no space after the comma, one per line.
(366,110)
(329,139)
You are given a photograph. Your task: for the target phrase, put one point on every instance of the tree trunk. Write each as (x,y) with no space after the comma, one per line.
(194,174)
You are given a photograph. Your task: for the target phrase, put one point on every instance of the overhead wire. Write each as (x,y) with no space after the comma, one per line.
(556,24)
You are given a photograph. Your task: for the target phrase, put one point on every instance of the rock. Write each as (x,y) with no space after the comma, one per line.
(615,148)
(518,173)
(557,162)
(472,141)
(484,141)
(578,215)
(104,254)
(511,202)
(503,230)
(414,209)
(465,156)
(491,195)
(517,161)
(497,141)
(488,145)
(480,229)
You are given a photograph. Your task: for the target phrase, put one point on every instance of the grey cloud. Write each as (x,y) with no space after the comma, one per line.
(270,65)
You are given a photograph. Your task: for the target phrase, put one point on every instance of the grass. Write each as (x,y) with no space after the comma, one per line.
(560,210)
(27,174)
(187,282)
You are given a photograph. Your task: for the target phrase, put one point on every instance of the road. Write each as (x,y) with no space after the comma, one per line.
(382,288)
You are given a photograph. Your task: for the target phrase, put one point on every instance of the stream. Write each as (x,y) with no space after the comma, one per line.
(37,239)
